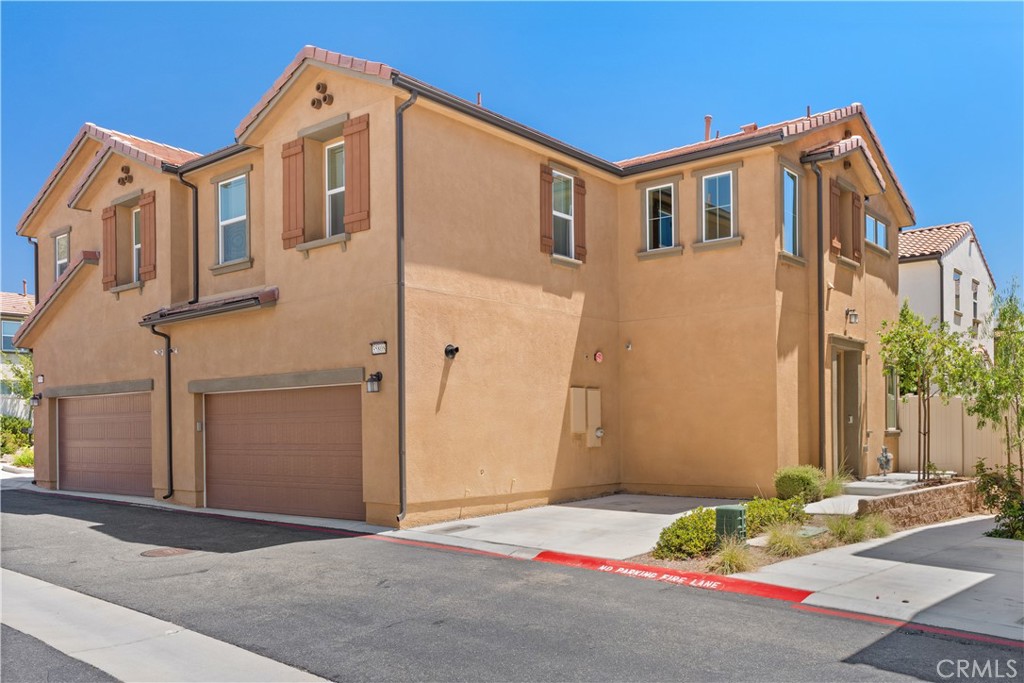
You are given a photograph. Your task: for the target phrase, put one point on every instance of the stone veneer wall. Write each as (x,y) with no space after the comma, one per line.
(926,505)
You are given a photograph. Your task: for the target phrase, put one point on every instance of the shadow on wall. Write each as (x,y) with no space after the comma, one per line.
(164,528)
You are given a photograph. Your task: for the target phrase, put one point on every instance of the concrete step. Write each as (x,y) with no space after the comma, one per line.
(871,487)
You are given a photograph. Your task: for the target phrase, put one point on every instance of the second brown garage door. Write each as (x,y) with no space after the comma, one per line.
(291,451)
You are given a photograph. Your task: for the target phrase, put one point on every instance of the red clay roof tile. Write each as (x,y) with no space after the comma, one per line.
(937,240)
(13,303)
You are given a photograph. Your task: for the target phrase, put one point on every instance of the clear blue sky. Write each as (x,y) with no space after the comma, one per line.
(942,83)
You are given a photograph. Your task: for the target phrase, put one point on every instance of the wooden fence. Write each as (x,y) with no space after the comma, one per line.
(957,442)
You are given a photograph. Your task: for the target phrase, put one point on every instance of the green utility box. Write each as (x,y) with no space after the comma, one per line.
(731,520)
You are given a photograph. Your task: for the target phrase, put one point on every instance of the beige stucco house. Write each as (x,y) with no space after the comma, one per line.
(384,302)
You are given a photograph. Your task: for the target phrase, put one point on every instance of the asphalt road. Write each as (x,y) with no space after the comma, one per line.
(367,609)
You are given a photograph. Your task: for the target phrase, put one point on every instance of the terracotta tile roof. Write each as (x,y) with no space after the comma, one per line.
(16,304)
(841,148)
(259,297)
(938,240)
(83,259)
(315,54)
(146,151)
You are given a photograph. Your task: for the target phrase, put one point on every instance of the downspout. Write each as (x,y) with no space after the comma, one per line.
(195,237)
(400,258)
(35,260)
(167,386)
(942,291)
(821,322)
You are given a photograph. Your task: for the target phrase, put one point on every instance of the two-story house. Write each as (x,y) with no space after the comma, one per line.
(14,308)
(945,277)
(384,302)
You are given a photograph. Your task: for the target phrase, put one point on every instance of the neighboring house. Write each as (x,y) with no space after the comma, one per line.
(14,308)
(400,305)
(945,277)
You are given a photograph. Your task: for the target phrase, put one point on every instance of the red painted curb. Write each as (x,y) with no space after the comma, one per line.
(909,625)
(693,579)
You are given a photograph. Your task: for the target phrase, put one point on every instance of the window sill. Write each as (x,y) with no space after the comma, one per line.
(565,261)
(847,262)
(893,432)
(792,259)
(718,244)
(116,291)
(340,238)
(878,249)
(659,253)
(231,266)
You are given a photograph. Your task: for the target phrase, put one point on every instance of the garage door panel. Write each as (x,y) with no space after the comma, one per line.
(293,451)
(104,444)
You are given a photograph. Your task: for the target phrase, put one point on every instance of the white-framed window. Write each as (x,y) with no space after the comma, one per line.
(334,178)
(892,397)
(660,205)
(875,231)
(233,230)
(790,220)
(974,298)
(561,210)
(717,203)
(10,328)
(62,253)
(136,243)
(957,275)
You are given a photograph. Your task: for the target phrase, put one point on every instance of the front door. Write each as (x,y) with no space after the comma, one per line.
(846,412)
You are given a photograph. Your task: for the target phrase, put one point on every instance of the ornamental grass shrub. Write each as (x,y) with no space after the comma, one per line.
(784,540)
(733,556)
(765,512)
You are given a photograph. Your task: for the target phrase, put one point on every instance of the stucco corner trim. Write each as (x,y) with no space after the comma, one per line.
(288,380)
(651,254)
(565,261)
(718,244)
(131,386)
(231,266)
(792,259)
(340,238)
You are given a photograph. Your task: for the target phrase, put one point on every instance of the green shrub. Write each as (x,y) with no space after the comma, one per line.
(802,480)
(784,540)
(764,512)
(1001,491)
(833,486)
(25,458)
(688,536)
(733,556)
(13,433)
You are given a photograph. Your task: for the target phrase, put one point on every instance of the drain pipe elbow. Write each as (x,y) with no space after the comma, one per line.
(400,279)
(195,236)
(35,260)
(167,387)
(821,319)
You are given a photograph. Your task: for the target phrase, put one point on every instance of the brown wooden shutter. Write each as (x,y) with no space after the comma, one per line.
(357,173)
(858,227)
(833,211)
(109,255)
(293,229)
(147,230)
(579,219)
(547,222)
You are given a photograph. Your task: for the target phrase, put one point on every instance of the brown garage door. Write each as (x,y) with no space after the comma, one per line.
(104,444)
(292,451)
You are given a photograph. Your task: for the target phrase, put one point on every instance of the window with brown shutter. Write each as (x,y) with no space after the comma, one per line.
(109,254)
(857,225)
(147,236)
(357,173)
(293,199)
(546,220)
(579,222)
(833,209)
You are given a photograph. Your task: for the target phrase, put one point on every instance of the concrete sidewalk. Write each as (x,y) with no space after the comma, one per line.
(948,575)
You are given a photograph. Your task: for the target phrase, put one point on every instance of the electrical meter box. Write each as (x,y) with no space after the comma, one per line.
(731,520)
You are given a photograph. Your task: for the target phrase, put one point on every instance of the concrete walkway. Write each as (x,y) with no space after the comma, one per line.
(126,644)
(948,575)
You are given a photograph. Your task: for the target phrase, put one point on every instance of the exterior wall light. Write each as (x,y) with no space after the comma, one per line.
(450,351)
(36,400)
(373,382)
(852,316)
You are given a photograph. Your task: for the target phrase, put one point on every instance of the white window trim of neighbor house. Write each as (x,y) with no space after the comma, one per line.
(892,397)
(59,264)
(136,243)
(244,261)
(555,213)
(331,191)
(8,338)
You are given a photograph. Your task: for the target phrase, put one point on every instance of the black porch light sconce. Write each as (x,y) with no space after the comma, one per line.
(852,316)
(373,382)
(36,400)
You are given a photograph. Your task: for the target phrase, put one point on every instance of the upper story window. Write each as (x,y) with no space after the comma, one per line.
(660,231)
(876,231)
(790,221)
(957,275)
(136,243)
(562,217)
(233,229)
(845,220)
(62,253)
(718,206)
(10,328)
(974,298)
(334,157)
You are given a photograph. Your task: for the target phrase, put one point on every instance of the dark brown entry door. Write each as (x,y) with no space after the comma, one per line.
(291,451)
(103,444)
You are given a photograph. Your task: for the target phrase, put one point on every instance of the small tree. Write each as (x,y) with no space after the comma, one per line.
(931,361)
(997,394)
(23,374)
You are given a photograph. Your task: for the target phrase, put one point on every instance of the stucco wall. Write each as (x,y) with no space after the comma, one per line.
(919,285)
(966,258)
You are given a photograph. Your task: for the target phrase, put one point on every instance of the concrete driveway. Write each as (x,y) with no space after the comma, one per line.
(617,526)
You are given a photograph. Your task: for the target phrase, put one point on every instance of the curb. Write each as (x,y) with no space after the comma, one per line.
(16,470)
